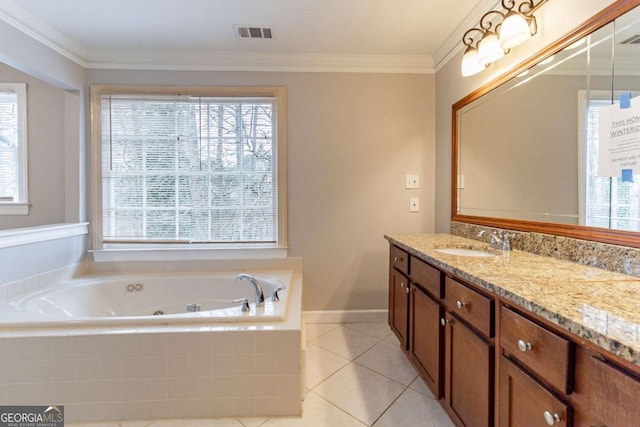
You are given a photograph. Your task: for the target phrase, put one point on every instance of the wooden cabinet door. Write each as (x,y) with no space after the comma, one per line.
(524,402)
(398,306)
(468,375)
(614,395)
(425,338)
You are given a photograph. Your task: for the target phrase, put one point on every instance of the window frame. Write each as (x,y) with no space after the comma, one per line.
(150,251)
(584,99)
(19,206)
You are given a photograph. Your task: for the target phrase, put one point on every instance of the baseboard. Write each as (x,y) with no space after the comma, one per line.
(345,316)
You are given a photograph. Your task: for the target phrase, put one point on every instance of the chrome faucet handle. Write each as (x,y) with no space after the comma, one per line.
(275,296)
(245,304)
(256,287)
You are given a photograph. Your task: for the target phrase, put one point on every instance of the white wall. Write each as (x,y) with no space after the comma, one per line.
(55,88)
(46,151)
(555,19)
(352,138)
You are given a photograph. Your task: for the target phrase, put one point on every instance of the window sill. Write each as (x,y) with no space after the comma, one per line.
(124,252)
(14,208)
(23,236)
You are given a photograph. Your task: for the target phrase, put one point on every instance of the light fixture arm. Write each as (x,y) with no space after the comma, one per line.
(467,40)
(486,25)
(530,6)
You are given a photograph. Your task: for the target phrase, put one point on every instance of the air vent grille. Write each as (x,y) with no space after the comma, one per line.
(253,32)
(632,40)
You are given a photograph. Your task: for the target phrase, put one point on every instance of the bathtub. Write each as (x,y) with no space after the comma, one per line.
(149,300)
(94,345)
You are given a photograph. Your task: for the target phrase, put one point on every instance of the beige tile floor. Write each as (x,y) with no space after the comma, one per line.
(356,375)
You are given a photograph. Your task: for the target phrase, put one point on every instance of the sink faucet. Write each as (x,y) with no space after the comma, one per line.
(499,239)
(256,287)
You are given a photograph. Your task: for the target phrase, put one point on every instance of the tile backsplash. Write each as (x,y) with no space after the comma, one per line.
(619,259)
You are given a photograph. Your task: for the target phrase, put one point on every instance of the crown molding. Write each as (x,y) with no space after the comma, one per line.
(198,60)
(453,44)
(17,17)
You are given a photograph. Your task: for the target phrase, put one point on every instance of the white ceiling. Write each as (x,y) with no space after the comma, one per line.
(103,33)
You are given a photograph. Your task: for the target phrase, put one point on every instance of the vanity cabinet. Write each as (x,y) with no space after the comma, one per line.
(468,383)
(399,306)
(607,394)
(415,310)
(524,402)
(546,354)
(492,363)
(425,331)
(469,355)
(399,294)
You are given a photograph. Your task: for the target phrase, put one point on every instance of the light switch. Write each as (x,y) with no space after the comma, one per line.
(461,181)
(411,181)
(414,204)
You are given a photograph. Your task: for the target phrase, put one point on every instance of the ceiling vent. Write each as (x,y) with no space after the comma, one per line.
(253,32)
(632,40)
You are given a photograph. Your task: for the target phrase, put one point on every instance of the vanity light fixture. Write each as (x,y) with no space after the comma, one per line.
(498,32)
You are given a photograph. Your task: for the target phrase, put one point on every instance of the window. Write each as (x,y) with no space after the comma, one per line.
(607,202)
(13,149)
(202,167)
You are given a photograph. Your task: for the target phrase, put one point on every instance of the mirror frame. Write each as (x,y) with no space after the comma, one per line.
(596,234)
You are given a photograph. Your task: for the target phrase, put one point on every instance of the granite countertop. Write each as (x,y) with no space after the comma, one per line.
(599,306)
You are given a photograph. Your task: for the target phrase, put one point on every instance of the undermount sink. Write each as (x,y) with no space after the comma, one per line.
(466,252)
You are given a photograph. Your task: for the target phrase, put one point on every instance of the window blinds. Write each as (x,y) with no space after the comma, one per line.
(610,202)
(8,146)
(188,169)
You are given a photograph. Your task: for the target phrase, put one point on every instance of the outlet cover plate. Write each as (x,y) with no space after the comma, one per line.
(414,204)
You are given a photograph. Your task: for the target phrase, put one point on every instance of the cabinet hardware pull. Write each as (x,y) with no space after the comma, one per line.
(407,289)
(444,321)
(524,346)
(551,419)
(402,284)
(397,258)
(461,304)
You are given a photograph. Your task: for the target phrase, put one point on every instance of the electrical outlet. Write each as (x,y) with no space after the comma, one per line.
(414,204)
(411,181)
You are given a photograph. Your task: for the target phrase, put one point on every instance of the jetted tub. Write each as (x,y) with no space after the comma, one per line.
(150,299)
(94,345)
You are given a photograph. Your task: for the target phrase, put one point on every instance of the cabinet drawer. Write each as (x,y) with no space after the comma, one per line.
(524,402)
(427,277)
(470,305)
(399,259)
(542,351)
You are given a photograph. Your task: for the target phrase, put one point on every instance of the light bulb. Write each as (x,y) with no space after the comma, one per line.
(489,49)
(470,63)
(514,30)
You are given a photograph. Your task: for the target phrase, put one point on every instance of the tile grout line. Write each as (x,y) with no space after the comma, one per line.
(339,408)
(389,407)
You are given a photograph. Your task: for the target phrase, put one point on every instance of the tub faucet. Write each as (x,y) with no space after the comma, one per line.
(499,239)
(256,287)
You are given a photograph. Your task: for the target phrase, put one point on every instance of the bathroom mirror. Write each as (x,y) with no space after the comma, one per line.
(526,146)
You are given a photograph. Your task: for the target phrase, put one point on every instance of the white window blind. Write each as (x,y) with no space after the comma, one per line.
(8,146)
(13,149)
(188,169)
(610,202)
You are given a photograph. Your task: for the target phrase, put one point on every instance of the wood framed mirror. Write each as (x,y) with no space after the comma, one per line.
(523,151)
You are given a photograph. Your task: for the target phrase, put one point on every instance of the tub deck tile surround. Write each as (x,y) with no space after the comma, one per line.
(599,306)
(146,372)
(340,391)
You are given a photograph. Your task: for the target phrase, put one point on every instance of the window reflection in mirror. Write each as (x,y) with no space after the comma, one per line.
(529,149)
